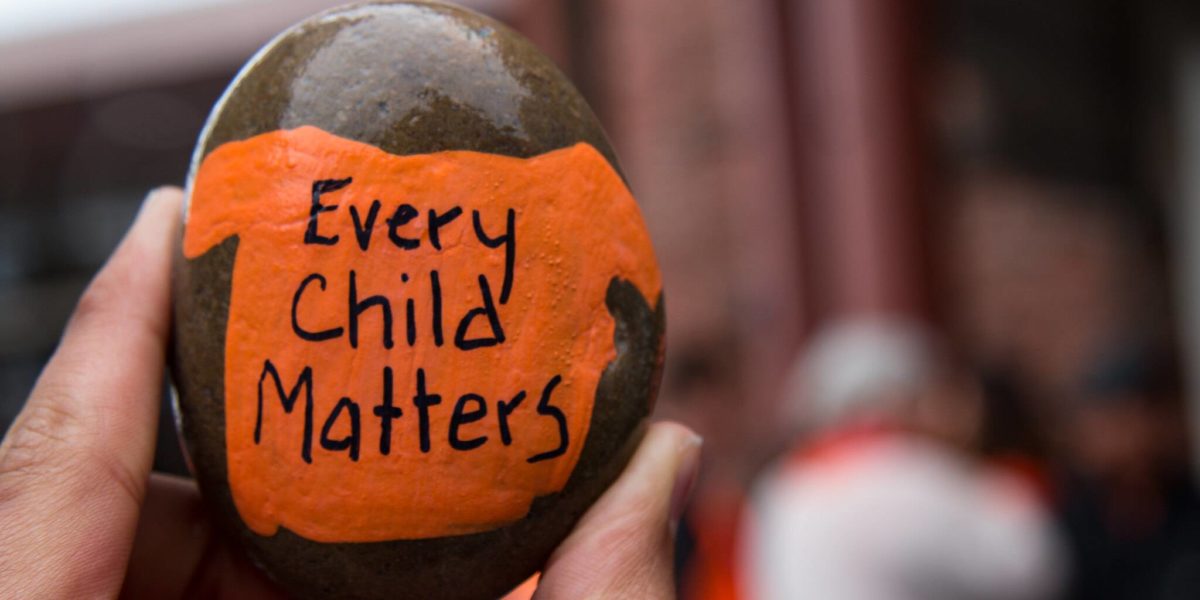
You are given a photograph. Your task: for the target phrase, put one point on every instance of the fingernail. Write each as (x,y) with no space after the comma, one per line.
(685,479)
(155,196)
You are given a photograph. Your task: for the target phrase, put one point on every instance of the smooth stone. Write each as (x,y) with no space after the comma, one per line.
(408,78)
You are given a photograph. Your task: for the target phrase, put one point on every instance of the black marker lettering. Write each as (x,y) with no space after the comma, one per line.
(357,307)
(462,417)
(544,408)
(436,222)
(288,401)
(423,401)
(351,440)
(509,241)
(503,410)
(488,310)
(362,231)
(386,413)
(435,283)
(403,214)
(323,186)
(312,336)
(410,316)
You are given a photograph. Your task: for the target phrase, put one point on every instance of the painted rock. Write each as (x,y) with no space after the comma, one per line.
(418,319)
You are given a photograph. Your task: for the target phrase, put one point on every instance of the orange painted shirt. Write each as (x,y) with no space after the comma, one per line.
(575,227)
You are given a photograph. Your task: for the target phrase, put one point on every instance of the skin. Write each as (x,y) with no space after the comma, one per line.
(81,516)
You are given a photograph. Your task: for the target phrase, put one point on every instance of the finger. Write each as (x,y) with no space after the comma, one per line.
(73,465)
(623,547)
(177,553)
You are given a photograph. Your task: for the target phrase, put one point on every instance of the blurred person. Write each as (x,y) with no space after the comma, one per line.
(1010,437)
(1129,505)
(881,500)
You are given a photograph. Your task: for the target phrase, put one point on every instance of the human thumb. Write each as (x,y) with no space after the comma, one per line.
(623,547)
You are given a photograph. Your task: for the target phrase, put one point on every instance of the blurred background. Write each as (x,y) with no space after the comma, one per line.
(992,206)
